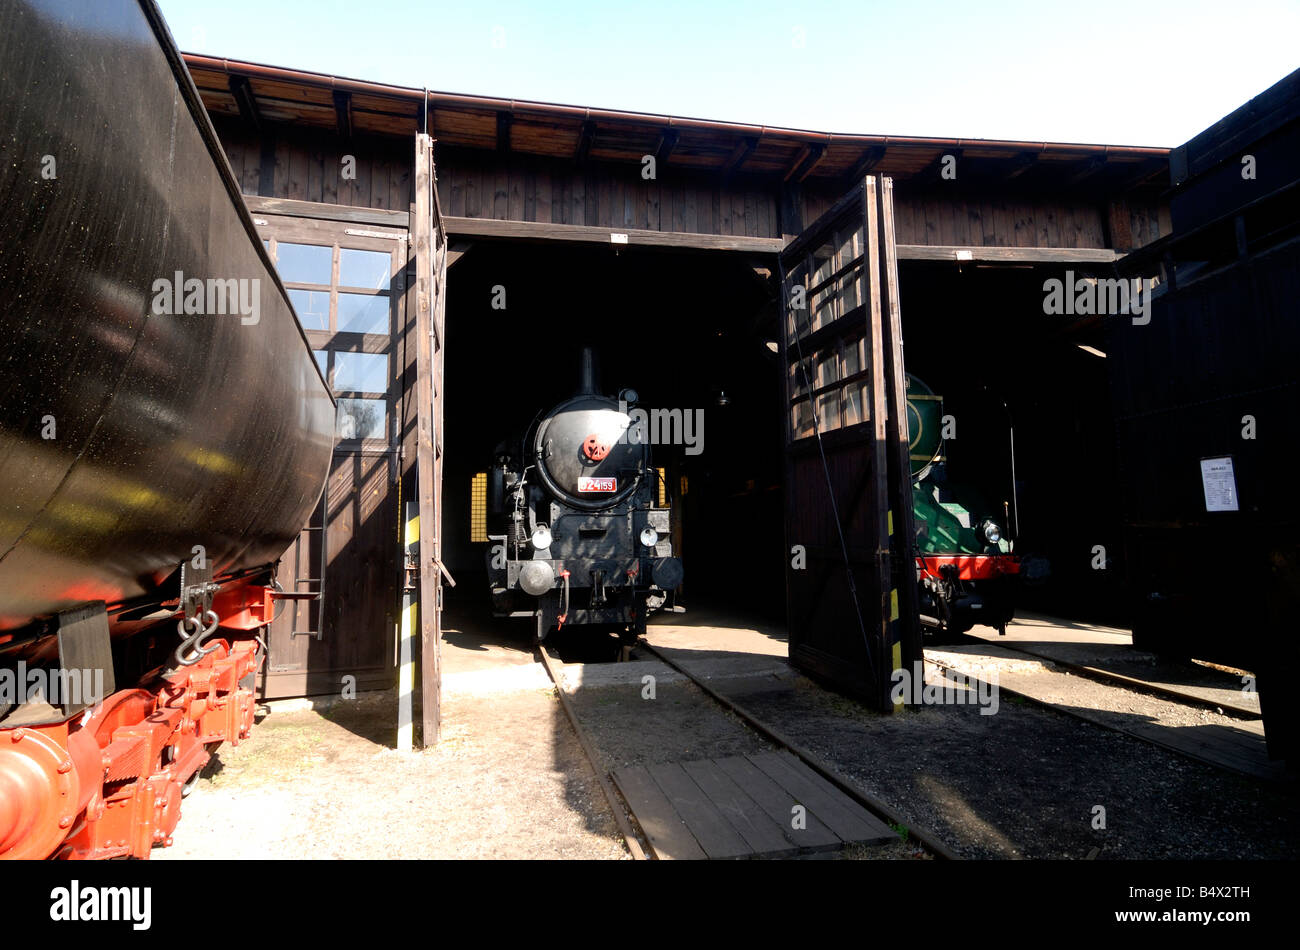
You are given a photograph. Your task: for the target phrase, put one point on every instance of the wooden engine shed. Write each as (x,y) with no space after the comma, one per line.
(658,239)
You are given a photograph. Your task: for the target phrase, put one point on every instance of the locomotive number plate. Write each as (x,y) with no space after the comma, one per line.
(586,484)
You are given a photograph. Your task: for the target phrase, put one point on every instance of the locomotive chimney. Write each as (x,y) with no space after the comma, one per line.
(588,373)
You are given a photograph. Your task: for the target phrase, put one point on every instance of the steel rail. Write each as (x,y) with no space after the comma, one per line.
(874,805)
(1101,723)
(615,803)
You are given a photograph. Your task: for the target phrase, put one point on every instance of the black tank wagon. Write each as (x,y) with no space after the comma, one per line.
(164,432)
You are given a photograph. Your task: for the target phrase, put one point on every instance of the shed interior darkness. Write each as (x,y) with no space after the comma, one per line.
(978,336)
(683,329)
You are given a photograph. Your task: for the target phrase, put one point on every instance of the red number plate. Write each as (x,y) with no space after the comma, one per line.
(586,484)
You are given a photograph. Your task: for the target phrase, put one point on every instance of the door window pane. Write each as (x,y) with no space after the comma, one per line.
(363,313)
(369,269)
(801,421)
(852,356)
(313,308)
(360,419)
(852,405)
(827,363)
(304,263)
(360,372)
(828,411)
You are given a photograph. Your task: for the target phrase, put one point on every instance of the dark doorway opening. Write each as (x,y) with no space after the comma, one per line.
(979,336)
(686,330)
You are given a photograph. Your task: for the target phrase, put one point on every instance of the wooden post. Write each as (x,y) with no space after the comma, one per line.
(881,499)
(905,608)
(422,232)
(410,616)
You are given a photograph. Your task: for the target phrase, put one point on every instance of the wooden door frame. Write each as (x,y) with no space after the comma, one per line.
(885,614)
(341,235)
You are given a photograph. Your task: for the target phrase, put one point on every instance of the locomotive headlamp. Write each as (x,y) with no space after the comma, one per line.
(541,537)
(992,533)
(649,536)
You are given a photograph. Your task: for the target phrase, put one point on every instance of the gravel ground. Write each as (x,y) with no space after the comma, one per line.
(1226,739)
(1024,783)
(508,780)
(1111,649)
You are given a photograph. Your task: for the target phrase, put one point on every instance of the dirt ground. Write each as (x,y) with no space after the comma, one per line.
(509,779)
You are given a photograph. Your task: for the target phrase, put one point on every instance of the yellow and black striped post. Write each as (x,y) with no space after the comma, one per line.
(409,625)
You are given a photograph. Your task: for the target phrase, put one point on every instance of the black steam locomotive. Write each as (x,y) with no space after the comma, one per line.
(578,528)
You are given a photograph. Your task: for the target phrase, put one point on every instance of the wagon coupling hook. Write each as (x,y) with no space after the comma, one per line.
(193,641)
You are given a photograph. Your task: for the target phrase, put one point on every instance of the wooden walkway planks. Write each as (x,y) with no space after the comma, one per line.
(778,805)
(667,835)
(711,829)
(743,806)
(751,822)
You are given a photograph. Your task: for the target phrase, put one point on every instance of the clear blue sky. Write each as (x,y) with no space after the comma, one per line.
(1124,72)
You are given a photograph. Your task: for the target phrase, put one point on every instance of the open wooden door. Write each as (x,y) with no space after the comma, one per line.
(851,576)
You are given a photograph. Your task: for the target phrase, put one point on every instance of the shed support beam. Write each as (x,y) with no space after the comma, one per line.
(1019,165)
(1086,170)
(503,131)
(1141,172)
(617,237)
(343,112)
(664,148)
(242,90)
(585,138)
(744,148)
(807,159)
(869,160)
(935,168)
(1007,255)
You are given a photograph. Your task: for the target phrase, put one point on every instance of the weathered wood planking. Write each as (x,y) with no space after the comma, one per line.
(743,807)
(711,828)
(666,832)
(778,804)
(308,165)
(845,817)
(746,816)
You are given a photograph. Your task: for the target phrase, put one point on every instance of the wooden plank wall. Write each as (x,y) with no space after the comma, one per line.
(990,219)
(307,165)
(600,194)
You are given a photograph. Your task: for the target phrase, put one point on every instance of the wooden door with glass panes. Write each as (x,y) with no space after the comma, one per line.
(346,284)
(851,576)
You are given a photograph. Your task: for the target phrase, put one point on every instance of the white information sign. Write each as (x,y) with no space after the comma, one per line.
(1219,483)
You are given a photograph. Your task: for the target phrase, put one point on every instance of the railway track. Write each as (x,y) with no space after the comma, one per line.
(880,809)
(1102,675)
(611,797)
(1241,764)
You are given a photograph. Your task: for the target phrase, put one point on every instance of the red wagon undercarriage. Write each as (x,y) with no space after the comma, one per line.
(108,782)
